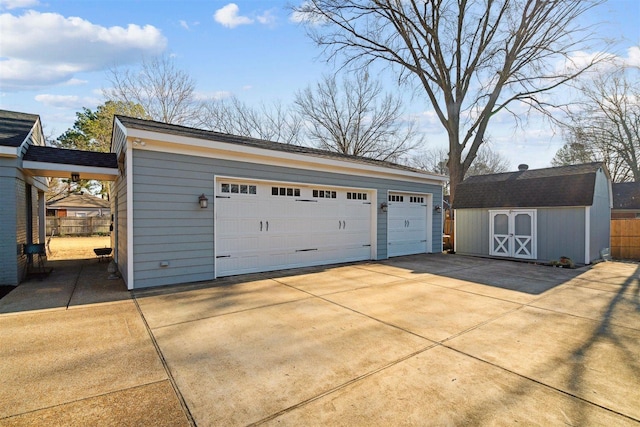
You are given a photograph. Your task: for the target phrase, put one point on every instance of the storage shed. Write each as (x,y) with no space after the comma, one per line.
(538,214)
(192,205)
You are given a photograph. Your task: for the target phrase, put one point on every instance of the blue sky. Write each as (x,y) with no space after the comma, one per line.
(54,55)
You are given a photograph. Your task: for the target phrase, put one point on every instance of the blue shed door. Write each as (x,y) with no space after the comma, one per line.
(512,233)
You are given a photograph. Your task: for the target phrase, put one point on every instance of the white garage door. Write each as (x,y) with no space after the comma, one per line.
(407,224)
(272,226)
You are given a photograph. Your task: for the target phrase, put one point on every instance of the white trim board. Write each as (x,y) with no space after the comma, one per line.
(169,143)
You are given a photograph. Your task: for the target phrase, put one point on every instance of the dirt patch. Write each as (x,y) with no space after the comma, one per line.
(76,247)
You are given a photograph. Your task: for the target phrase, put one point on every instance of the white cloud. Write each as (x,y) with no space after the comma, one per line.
(307,14)
(42,49)
(75,82)
(228,16)
(247,87)
(633,56)
(17,4)
(183,24)
(215,96)
(267,18)
(66,101)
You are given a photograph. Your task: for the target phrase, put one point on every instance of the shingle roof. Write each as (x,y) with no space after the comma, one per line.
(71,157)
(560,186)
(78,201)
(153,126)
(14,127)
(626,195)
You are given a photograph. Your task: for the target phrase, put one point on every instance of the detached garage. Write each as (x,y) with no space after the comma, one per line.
(192,205)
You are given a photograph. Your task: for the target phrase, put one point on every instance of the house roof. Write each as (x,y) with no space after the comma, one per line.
(626,195)
(572,185)
(37,153)
(14,127)
(153,126)
(74,200)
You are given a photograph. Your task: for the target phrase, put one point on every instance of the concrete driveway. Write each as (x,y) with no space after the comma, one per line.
(421,340)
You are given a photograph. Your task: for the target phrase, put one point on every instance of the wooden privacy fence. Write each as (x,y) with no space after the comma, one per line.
(78,226)
(447,240)
(625,238)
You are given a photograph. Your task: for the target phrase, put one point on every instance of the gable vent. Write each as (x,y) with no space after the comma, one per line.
(523,167)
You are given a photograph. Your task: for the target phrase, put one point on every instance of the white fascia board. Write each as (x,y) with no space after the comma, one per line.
(9,151)
(61,170)
(157,141)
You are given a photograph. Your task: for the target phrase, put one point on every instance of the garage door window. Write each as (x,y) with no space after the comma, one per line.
(324,194)
(396,198)
(238,188)
(414,199)
(285,191)
(356,196)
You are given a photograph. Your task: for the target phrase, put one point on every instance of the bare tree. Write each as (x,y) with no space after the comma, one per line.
(487,162)
(272,122)
(165,92)
(470,58)
(435,160)
(431,160)
(605,125)
(356,118)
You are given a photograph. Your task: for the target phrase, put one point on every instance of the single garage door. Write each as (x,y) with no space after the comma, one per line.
(407,224)
(272,226)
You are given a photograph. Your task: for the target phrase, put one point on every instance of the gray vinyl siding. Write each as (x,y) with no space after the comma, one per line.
(8,238)
(472,232)
(169,225)
(561,233)
(600,218)
(119,195)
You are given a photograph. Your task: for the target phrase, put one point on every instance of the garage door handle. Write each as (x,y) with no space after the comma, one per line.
(344,224)
(260,225)
(339,225)
(267,225)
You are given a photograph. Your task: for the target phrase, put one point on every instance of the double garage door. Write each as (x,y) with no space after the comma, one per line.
(271,226)
(263,226)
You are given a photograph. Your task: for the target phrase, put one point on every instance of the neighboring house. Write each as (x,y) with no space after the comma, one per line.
(626,200)
(25,164)
(538,214)
(269,206)
(78,205)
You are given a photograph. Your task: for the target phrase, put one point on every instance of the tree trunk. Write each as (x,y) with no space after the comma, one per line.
(456,173)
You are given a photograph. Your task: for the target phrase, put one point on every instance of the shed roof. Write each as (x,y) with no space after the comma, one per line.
(626,195)
(572,185)
(78,201)
(14,127)
(153,126)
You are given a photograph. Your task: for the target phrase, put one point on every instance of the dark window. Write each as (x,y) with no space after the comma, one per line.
(234,188)
(225,188)
(296,192)
(274,191)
